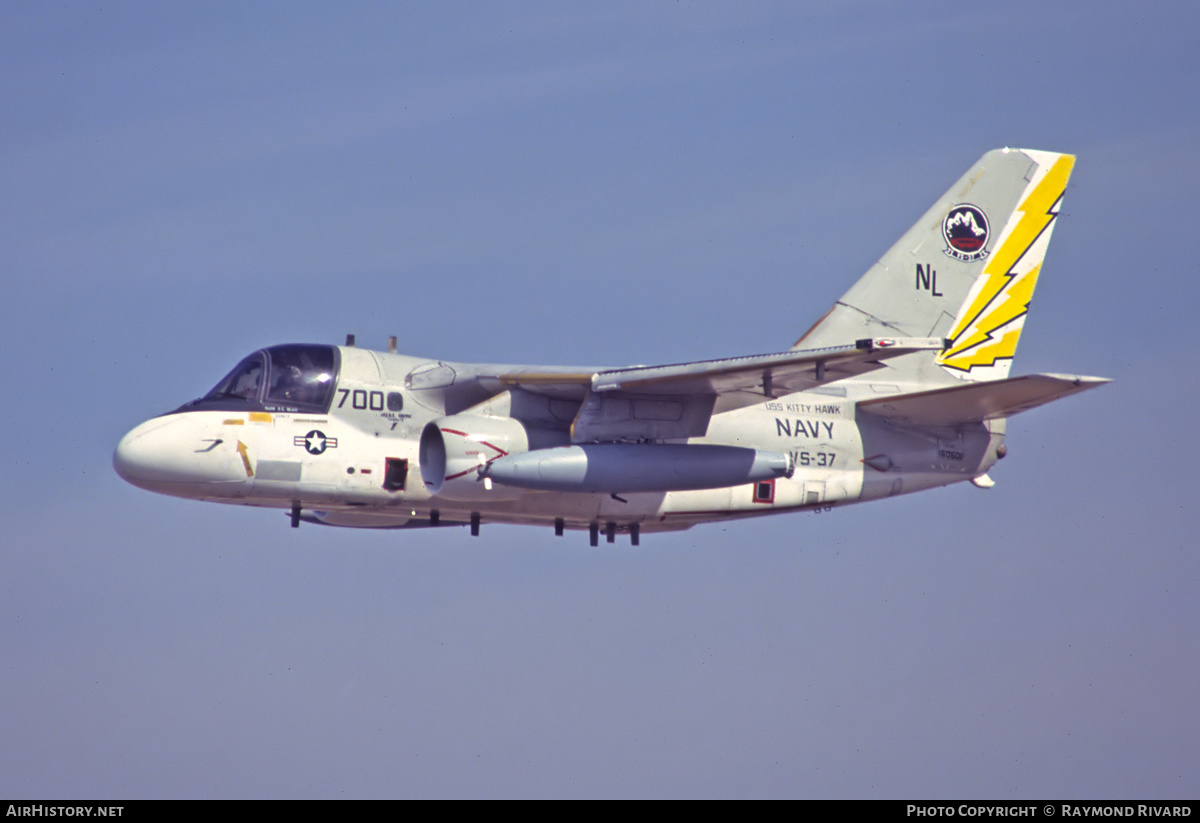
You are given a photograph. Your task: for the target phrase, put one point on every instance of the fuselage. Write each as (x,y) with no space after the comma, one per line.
(335,435)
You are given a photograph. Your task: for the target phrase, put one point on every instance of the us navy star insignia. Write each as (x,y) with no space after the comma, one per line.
(315,442)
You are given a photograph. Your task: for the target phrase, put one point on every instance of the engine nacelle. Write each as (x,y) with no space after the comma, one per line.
(454,450)
(613,468)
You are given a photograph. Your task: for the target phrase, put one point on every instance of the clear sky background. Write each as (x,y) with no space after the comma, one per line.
(613,183)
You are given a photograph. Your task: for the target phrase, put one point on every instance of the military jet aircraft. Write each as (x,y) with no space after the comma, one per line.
(903,385)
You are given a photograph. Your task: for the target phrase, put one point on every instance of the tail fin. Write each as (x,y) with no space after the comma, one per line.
(966,271)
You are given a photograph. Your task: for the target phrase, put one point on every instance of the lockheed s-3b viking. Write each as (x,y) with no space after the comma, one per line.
(902,386)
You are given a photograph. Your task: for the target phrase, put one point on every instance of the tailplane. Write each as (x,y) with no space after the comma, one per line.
(965,403)
(965,272)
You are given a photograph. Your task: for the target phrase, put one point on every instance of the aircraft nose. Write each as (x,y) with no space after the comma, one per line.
(146,455)
(163,453)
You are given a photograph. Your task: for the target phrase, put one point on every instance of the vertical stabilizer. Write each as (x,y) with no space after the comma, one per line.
(984,337)
(966,271)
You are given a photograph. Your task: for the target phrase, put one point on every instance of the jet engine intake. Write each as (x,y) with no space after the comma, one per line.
(455,450)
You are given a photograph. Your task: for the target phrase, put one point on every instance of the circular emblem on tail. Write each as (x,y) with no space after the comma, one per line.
(965,228)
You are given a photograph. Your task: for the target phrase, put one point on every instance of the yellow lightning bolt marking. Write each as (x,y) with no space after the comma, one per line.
(241,447)
(1005,294)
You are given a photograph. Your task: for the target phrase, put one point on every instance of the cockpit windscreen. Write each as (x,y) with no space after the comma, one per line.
(293,377)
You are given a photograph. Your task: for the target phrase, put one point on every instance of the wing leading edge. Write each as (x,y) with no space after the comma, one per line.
(763,375)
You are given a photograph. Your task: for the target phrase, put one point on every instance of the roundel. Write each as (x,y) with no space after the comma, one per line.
(965,229)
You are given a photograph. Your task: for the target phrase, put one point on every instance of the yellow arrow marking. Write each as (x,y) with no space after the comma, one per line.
(241,447)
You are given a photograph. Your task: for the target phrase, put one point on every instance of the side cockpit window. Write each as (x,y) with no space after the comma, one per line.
(243,383)
(302,377)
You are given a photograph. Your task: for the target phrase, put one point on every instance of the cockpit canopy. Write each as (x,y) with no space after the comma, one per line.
(296,377)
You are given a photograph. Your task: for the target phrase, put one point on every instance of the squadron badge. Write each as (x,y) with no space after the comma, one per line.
(965,229)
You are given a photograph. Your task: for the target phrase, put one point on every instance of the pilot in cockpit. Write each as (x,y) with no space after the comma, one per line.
(291,385)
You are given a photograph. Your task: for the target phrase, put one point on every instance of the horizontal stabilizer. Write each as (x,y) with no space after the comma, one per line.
(975,402)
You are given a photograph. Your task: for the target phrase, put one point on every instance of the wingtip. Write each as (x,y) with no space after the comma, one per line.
(1081,380)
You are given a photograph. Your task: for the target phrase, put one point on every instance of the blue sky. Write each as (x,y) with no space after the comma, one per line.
(631,183)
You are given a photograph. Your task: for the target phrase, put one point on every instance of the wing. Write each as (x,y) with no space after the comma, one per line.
(763,375)
(673,401)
